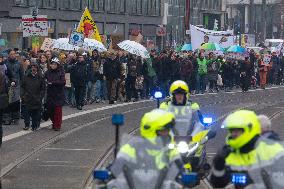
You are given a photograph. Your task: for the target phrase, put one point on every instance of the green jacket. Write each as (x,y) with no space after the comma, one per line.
(150,70)
(202,66)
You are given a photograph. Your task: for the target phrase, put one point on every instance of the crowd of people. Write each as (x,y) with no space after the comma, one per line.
(42,83)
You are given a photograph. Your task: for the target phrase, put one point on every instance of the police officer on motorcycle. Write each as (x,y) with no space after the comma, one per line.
(243,151)
(151,152)
(180,94)
(179,100)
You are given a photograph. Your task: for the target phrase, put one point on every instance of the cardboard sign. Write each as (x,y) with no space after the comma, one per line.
(35,26)
(267,59)
(47,44)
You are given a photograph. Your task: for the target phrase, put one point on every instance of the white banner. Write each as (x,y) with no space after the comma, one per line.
(200,36)
(34,26)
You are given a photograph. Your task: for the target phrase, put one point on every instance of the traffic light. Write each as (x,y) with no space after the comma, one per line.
(237,29)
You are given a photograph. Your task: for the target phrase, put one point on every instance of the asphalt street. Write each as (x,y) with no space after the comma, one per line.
(64,160)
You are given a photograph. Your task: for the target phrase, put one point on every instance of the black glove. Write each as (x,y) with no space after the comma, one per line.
(219,159)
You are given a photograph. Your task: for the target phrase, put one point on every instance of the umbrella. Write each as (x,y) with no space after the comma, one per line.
(178,48)
(212,47)
(92,44)
(63,44)
(89,44)
(186,47)
(134,48)
(236,49)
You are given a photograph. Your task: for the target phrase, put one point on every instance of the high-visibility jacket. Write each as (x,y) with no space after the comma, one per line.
(179,111)
(144,154)
(263,155)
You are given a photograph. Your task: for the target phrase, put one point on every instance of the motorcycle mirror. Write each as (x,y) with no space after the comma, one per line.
(101,174)
(182,138)
(189,178)
(211,134)
(117,119)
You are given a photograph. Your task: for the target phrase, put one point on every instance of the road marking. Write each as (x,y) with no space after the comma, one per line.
(58,161)
(23,158)
(68,149)
(48,123)
(74,166)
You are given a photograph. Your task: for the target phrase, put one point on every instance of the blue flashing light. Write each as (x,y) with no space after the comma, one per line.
(239,179)
(207,120)
(189,178)
(117,119)
(101,175)
(158,95)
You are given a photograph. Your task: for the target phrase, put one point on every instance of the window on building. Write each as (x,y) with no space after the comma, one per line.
(136,7)
(49,3)
(116,6)
(153,7)
(96,5)
(21,2)
(71,4)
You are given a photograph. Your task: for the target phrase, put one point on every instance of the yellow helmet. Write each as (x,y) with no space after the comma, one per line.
(179,86)
(154,121)
(242,119)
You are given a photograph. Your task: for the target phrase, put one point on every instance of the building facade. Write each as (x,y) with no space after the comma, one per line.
(262,18)
(121,18)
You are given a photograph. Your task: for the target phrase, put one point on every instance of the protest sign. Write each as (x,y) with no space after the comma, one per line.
(47,44)
(200,36)
(34,26)
(76,39)
(267,59)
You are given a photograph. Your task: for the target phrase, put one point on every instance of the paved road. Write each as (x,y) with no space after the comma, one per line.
(58,160)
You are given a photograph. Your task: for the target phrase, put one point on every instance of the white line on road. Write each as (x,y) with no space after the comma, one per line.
(68,149)
(74,166)
(58,161)
(48,123)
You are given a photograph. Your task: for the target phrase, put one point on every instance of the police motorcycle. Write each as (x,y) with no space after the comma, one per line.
(190,139)
(268,173)
(143,171)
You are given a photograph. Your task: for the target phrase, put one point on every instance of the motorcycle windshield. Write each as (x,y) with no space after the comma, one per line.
(268,171)
(142,163)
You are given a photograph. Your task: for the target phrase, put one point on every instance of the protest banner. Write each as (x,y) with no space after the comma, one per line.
(35,26)
(200,36)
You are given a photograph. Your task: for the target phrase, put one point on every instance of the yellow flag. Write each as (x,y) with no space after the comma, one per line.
(88,27)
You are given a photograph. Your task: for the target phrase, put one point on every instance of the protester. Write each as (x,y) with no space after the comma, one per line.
(79,78)
(32,93)
(112,73)
(263,70)
(202,73)
(55,78)
(12,112)
(5,77)
(246,74)
(213,69)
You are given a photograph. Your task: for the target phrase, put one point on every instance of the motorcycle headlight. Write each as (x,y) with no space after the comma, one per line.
(182,147)
(171,146)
